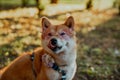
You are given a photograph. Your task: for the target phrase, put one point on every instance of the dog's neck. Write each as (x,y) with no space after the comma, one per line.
(36,68)
(40,51)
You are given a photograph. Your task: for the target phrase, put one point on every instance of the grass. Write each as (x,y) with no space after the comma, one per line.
(6,4)
(99,52)
(14,2)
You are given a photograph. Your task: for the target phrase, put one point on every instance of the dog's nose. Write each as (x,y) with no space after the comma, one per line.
(54,41)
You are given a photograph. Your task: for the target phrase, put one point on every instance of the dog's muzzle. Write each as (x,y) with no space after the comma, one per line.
(53,45)
(53,42)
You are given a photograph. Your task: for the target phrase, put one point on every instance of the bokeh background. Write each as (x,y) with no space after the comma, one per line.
(97,24)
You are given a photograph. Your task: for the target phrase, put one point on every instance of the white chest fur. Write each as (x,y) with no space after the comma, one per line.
(70,72)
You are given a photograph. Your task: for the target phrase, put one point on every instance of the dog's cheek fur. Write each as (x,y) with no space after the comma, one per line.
(71,43)
(44,44)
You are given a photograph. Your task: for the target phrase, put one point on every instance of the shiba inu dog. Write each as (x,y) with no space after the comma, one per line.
(56,60)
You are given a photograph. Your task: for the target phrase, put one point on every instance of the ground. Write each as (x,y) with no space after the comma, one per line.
(97,34)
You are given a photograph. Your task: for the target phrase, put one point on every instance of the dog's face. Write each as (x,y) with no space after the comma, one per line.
(57,38)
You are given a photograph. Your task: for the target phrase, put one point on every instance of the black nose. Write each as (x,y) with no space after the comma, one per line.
(53,41)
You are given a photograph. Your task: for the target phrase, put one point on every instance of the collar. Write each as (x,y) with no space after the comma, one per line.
(62,72)
(54,66)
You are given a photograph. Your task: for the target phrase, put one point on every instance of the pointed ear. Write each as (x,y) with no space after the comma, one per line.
(45,23)
(70,23)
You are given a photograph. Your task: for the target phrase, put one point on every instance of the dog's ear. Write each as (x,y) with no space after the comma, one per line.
(70,22)
(45,23)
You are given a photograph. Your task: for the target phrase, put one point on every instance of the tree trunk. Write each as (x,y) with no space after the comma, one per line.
(119,10)
(54,1)
(89,4)
(24,3)
(38,4)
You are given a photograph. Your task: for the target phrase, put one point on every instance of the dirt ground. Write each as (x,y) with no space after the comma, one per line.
(98,39)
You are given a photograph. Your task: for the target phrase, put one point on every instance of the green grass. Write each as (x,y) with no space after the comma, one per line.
(5,3)
(73,1)
(99,52)
(14,2)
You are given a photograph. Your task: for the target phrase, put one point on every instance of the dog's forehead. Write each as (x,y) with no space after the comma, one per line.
(58,28)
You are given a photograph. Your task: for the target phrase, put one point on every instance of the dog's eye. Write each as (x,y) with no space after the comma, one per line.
(49,34)
(63,33)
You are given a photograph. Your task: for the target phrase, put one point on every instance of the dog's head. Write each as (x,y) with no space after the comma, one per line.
(58,38)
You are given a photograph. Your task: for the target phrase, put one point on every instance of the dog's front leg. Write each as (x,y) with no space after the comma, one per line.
(48,63)
(48,60)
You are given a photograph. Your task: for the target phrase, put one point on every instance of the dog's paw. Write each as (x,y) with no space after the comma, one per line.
(48,60)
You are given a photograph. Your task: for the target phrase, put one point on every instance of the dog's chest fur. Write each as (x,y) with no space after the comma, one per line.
(54,75)
(70,68)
